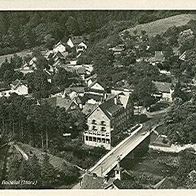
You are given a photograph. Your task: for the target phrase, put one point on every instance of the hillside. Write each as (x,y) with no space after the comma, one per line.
(161,25)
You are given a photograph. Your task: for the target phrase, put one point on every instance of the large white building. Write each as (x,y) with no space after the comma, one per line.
(106,119)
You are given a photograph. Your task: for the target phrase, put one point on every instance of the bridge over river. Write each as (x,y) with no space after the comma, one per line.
(111,159)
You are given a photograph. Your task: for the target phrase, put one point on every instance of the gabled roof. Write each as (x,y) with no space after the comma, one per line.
(113,104)
(89,108)
(158,57)
(60,43)
(91,181)
(15,84)
(97,81)
(110,108)
(78,89)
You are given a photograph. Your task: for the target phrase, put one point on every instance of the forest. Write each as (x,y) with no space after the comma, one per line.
(21,30)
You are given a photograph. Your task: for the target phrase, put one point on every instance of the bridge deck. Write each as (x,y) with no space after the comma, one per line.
(110,160)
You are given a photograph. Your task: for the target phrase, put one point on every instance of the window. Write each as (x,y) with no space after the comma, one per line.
(94,121)
(103,123)
(103,140)
(86,138)
(94,139)
(103,129)
(90,138)
(107,141)
(94,127)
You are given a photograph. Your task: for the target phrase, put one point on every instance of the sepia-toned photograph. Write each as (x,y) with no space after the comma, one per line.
(97,99)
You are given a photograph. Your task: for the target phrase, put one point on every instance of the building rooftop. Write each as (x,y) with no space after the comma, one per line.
(58,101)
(77,39)
(163,87)
(110,108)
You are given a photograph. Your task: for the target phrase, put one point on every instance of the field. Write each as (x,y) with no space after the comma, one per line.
(160,26)
(8,56)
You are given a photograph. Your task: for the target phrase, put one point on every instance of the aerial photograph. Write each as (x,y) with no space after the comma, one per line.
(98,99)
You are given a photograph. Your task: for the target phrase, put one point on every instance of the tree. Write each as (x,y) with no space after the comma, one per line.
(41,86)
(16,61)
(72,25)
(180,126)
(48,173)
(186,41)
(8,76)
(187,164)
(49,41)
(144,91)
(143,70)
(178,93)
(103,60)
(31,171)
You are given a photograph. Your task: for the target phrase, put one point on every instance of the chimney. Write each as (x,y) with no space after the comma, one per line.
(105,96)
(63,94)
(116,100)
(80,106)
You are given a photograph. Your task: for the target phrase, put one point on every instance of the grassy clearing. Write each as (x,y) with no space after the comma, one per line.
(155,165)
(160,26)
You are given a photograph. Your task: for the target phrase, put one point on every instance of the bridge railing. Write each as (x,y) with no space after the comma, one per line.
(125,153)
(111,151)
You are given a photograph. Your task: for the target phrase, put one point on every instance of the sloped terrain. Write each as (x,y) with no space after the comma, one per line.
(160,26)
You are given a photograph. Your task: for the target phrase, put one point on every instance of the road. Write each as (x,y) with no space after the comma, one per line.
(121,151)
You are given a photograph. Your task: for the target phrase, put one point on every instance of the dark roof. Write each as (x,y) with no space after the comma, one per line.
(118,184)
(58,102)
(110,108)
(88,108)
(91,181)
(78,89)
(77,39)
(88,96)
(58,54)
(89,90)
(60,42)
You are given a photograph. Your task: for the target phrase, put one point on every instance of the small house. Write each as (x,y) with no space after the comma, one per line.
(164,91)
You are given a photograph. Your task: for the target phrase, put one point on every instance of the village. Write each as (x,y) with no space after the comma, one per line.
(87,114)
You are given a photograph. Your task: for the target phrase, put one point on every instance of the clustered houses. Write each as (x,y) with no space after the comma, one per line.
(59,57)
(108,111)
